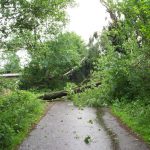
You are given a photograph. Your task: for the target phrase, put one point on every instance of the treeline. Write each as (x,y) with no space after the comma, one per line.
(123,66)
(38,28)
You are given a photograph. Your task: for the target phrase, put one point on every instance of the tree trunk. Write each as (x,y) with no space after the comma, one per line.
(59,94)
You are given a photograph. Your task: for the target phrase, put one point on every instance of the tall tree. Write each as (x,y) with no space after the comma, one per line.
(39,18)
(53,59)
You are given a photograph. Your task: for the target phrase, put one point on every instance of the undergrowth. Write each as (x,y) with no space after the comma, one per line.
(136,115)
(18,112)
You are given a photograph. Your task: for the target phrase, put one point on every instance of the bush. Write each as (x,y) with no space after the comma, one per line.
(90,97)
(8,84)
(19,111)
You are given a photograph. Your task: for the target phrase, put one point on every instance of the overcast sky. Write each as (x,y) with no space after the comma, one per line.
(86,18)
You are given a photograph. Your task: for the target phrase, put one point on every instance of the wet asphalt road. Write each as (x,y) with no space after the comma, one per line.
(65,127)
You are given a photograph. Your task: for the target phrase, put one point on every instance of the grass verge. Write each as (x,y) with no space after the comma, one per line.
(18,112)
(136,115)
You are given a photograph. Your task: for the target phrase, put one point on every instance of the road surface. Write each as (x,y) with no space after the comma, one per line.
(66,127)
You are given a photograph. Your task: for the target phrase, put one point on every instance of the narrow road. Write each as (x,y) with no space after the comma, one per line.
(65,127)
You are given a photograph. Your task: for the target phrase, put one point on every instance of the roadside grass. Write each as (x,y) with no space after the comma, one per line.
(136,115)
(19,111)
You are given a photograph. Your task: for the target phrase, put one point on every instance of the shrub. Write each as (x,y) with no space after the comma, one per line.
(19,111)
(8,84)
(90,97)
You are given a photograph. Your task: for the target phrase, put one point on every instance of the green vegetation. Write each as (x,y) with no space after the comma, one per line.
(123,65)
(87,140)
(88,98)
(19,110)
(12,63)
(52,60)
(35,26)
(31,22)
(8,85)
(135,115)
(119,58)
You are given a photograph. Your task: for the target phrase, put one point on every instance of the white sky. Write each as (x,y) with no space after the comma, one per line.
(86,18)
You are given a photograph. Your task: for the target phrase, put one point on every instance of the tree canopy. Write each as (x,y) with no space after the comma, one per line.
(53,59)
(40,18)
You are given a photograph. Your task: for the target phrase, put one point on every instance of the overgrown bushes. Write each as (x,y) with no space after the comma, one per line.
(18,111)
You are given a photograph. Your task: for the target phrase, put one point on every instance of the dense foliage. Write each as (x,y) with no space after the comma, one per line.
(125,68)
(119,59)
(19,110)
(123,65)
(7,85)
(53,59)
(11,63)
(31,20)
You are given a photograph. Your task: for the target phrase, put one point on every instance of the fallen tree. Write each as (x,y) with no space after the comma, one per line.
(59,94)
